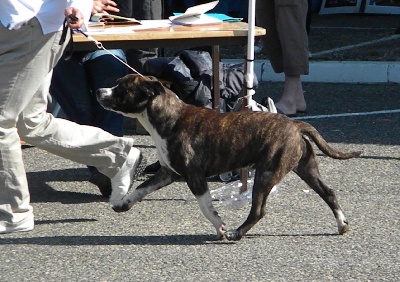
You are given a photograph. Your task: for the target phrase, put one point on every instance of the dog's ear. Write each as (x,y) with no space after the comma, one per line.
(153,87)
(125,78)
(152,78)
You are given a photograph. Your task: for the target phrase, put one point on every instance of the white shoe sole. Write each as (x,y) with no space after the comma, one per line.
(24,227)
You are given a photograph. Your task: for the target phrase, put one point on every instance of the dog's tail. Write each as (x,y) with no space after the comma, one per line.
(310,131)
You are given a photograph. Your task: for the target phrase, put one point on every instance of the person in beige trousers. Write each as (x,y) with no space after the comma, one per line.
(30,46)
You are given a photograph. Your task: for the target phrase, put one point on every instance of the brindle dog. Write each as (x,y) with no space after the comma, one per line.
(195,143)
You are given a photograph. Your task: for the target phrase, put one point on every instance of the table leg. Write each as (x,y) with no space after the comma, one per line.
(244,172)
(215,63)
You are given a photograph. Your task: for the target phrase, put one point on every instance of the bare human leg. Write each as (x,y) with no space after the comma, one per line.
(292,99)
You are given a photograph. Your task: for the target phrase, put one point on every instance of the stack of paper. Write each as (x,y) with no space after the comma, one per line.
(196,15)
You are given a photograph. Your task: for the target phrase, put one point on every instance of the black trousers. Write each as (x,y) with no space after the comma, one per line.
(141,10)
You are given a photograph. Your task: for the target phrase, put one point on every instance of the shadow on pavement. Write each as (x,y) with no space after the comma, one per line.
(42,192)
(180,240)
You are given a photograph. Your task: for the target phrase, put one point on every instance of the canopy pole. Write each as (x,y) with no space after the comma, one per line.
(250,51)
(249,78)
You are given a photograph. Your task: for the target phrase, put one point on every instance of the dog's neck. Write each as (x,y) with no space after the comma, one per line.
(143,118)
(164,113)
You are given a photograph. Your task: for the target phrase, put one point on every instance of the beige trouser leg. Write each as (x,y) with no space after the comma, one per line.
(27,58)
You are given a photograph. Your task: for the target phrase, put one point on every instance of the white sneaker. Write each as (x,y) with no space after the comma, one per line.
(132,168)
(23,227)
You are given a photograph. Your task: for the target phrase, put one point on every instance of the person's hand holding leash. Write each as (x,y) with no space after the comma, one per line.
(74,17)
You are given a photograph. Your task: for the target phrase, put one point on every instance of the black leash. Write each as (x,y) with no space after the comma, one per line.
(69,49)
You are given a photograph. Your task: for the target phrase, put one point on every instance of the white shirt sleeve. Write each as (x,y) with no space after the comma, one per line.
(50,13)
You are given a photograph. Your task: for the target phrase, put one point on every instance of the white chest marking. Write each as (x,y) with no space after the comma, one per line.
(161,144)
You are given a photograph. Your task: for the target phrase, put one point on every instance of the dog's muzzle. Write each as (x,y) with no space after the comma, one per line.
(103,92)
(104,96)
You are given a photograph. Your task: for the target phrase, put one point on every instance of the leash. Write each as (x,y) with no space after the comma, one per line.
(100,46)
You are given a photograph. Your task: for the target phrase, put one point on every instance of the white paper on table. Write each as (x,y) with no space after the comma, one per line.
(145,24)
(196,15)
(150,24)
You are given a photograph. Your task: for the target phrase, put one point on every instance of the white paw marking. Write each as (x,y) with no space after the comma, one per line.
(342,224)
(209,212)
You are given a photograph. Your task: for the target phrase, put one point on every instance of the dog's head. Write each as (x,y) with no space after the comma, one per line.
(131,95)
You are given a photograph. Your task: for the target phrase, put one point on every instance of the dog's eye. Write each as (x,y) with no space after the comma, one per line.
(119,93)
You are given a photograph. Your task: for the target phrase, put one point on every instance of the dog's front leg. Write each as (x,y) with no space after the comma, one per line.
(207,208)
(200,189)
(163,177)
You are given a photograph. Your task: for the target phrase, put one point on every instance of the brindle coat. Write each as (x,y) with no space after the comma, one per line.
(196,143)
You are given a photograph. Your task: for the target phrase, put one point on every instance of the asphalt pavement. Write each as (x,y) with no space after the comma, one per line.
(78,237)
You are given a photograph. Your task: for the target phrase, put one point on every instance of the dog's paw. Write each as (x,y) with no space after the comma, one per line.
(344,229)
(121,208)
(127,202)
(221,232)
(233,235)
(116,199)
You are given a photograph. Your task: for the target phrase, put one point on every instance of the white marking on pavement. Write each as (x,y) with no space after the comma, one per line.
(354,28)
(349,114)
(348,47)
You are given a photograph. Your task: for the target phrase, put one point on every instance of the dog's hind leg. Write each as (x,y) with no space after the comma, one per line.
(307,169)
(263,184)
(163,177)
